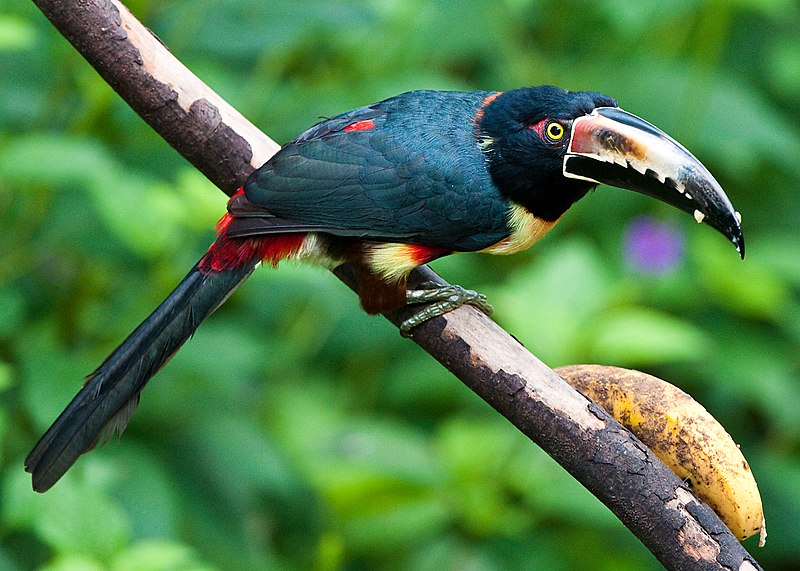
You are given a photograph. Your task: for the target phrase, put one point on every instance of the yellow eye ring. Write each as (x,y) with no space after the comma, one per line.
(554,131)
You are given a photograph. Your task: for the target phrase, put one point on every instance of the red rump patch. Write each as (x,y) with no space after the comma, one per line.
(228,253)
(365,125)
(273,249)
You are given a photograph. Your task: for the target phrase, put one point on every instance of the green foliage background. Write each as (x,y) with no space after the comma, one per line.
(294,432)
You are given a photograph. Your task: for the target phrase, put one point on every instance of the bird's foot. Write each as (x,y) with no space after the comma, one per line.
(445,298)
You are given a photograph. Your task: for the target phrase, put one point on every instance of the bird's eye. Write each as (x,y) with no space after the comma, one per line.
(554,132)
(550,131)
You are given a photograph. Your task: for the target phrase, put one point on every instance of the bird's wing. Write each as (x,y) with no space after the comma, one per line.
(407,169)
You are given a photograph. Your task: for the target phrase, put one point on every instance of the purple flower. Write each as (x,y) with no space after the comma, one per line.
(652,246)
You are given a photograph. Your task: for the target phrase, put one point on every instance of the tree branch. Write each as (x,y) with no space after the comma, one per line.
(681,531)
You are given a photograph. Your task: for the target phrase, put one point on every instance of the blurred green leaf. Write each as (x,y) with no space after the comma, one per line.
(548,304)
(749,289)
(638,336)
(6,380)
(779,258)
(475,455)
(70,160)
(16,34)
(159,556)
(74,562)
(784,72)
(75,519)
(11,310)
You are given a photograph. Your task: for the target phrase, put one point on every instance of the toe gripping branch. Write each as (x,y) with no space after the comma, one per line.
(442,299)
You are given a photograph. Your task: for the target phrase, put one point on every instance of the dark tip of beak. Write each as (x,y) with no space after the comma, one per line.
(614,147)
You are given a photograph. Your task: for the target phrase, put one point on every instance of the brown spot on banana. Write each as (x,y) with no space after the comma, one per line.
(683,434)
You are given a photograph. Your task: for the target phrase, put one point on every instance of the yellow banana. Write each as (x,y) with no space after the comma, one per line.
(683,435)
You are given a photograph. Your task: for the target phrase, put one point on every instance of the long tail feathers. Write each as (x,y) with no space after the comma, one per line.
(110,394)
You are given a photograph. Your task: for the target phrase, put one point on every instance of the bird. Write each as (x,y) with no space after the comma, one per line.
(386,188)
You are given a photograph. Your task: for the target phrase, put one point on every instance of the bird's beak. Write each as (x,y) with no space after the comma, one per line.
(613,147)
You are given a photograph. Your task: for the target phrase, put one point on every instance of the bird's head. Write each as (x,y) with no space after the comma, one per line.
(547,147)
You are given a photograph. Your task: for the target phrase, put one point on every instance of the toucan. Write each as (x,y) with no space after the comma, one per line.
(386,188)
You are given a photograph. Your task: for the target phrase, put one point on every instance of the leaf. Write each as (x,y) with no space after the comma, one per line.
(748,288)
(54,159)
(549,303)
(637,336)
(16,34)
(159,555)
(77,518)
(74,562)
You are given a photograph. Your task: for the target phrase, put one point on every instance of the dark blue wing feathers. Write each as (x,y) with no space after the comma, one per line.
(406,179)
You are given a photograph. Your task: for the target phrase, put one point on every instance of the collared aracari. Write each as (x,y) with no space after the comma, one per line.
(386,188)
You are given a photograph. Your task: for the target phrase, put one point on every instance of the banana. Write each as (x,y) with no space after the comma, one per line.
(683,435)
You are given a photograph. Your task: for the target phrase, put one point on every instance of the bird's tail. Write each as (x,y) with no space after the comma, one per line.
(110,394)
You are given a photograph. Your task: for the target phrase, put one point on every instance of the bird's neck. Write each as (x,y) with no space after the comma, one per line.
(526,229)
(544,195)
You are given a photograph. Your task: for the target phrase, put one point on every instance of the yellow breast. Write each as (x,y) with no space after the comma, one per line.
(525,230)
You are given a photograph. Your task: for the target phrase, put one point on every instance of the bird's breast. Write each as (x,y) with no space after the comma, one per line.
(526,229)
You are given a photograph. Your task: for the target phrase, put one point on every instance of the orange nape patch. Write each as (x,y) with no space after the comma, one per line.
(393,262)
(486,101)
(365,125)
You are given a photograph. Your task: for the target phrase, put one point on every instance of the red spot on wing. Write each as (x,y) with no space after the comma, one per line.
(365,125)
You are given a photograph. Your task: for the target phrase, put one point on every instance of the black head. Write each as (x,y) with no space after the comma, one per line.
(526,133)
(547,147)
